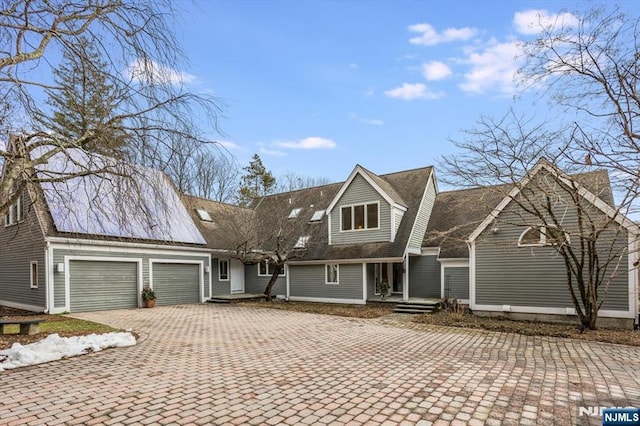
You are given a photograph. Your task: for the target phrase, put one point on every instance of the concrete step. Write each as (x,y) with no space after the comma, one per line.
(414,308)
(410,311)
(218,300)
(416,305)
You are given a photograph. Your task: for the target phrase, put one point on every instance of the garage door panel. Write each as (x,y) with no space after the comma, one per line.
(101,285)
(176,283)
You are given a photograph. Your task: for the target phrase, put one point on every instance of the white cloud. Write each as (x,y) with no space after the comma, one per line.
(308,143)
(228,144)
(493,68)
(152,72)
(435,70)
(273,152)
(353,66)
(410,92)
(430,37)
(535,21)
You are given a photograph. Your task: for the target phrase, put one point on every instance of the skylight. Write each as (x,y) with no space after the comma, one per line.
(317,216)
(294,213)
(204,215)
(302,242)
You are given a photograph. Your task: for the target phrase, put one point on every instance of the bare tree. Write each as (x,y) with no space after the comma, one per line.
(592,70)
(291,181)
(273,231)
(216,176)
(500,156)
(590,66)
(132,46)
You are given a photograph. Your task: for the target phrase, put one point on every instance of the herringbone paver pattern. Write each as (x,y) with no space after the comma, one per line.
(212,364)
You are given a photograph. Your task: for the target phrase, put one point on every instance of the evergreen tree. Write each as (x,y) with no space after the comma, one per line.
(85,102)
(256,182)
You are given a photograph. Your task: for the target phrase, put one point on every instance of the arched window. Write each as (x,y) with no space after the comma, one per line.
(535,236)
(532,236)
(554,236)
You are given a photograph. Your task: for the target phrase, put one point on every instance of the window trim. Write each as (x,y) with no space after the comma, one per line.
(295,213)
(302,242)
(543,236)
(326,274)
(269,272)
(33,283)
(366,217)
(204,215)
(220,261)
(9,218)
(317,216)
(567,239)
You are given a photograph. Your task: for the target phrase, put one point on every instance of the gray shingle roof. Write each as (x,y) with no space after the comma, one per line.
(385,186)
(456,214)
(217,232)
(405,187)
(408,187)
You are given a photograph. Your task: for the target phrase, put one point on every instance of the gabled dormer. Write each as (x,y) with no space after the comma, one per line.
(366,209)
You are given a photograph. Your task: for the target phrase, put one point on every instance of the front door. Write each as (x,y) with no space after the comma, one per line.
(237,276)
(397,277)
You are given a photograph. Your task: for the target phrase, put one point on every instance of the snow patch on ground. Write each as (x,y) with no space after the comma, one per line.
(54,347)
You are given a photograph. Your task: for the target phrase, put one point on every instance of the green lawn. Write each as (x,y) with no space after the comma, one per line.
(60,324)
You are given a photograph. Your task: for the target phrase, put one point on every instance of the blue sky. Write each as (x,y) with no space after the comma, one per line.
(315,87)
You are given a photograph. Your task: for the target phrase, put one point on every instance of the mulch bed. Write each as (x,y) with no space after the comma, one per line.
(530,328)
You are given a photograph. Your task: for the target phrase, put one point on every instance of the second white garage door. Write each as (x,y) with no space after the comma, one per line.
(176,283)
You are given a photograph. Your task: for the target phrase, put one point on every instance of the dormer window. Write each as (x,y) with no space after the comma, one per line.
(295,213)
(359,216)
(302,242)
(317,216)
(204,215)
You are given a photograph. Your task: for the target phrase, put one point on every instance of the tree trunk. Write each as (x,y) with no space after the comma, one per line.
(272,282)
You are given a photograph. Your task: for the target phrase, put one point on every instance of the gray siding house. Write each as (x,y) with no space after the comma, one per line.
(65,254)
(359,232)
(84,244)
(512,274)
(428,244)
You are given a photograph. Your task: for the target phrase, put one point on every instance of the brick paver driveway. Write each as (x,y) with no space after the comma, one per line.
(212,364)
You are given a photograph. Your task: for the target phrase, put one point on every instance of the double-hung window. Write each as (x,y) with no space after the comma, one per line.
(266,269)
(14,214)
(223,270)
(34,274)
(332,273)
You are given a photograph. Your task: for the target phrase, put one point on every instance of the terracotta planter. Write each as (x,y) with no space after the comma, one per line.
(150,303)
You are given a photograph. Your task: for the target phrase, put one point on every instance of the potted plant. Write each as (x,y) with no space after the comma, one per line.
(149,297)
(384,289)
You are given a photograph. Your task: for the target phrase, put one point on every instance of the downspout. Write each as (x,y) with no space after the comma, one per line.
(48,281)
(405,279)
(287,278)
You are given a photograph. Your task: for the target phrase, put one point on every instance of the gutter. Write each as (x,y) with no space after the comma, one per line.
(76,241)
